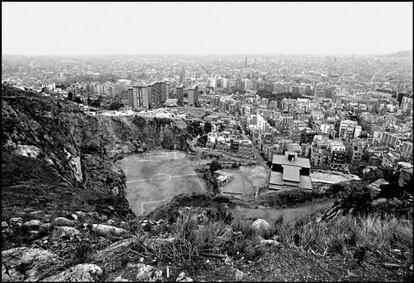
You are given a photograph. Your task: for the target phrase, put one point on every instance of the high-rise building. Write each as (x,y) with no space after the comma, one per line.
(406,104)
(180,95)
(167,89)
(146,99)
(164,92)
(131,101)
(139,92)
(193,95)
(155,94)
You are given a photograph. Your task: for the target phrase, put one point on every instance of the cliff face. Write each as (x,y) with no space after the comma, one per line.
(55,154)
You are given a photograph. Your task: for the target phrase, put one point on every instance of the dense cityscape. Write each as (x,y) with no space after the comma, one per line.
(340,112)
(207,142)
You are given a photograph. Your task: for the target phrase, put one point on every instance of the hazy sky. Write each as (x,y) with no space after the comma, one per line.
(206,28)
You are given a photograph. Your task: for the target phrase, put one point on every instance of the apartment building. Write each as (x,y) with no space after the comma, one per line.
(193,96)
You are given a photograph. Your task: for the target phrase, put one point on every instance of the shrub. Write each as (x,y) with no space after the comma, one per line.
(245,227)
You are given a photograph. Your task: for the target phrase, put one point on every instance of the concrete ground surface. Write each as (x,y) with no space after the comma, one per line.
(246,181)
(331,176)
(156,177)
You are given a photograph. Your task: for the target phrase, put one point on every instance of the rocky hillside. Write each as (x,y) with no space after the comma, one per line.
(59,160)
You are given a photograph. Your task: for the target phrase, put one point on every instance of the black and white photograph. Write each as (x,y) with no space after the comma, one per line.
(207,141)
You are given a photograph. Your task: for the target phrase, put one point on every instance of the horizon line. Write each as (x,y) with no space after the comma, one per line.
(213,54)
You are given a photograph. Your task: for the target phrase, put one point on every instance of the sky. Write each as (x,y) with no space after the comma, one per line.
(97,28)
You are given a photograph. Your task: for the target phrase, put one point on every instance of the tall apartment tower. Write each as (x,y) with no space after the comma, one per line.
(167,89)
(193,96)
(164,92)
(137,95)
(180,95)
(131,101)
(146,98)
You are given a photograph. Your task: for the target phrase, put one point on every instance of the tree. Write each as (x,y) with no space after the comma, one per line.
(215,165)
(196,128)
(207,127)
(115,106)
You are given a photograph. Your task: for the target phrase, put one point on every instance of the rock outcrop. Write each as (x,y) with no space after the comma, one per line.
(29,264)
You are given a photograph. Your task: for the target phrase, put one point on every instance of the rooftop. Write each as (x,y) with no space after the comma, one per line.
(297,161)
(291,173)
(277,181)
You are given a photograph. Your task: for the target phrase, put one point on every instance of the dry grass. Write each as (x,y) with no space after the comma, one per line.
(345,233)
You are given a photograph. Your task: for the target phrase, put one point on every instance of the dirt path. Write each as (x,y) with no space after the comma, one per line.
(289,214)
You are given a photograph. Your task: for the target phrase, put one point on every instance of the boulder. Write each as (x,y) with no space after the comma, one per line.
(37,213)
(107,230)
(74,217)
(33,224)
(66,231)
(27,150)
(182,278)
(10,274)
(45,227)
(4,225)
(16,221)
(147,273)
(120,279)
(75,163)
(62,221)
(261,226)
(85,272)
(37,263)
(94,215)
(111,222)
(81,214)
(238,275)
